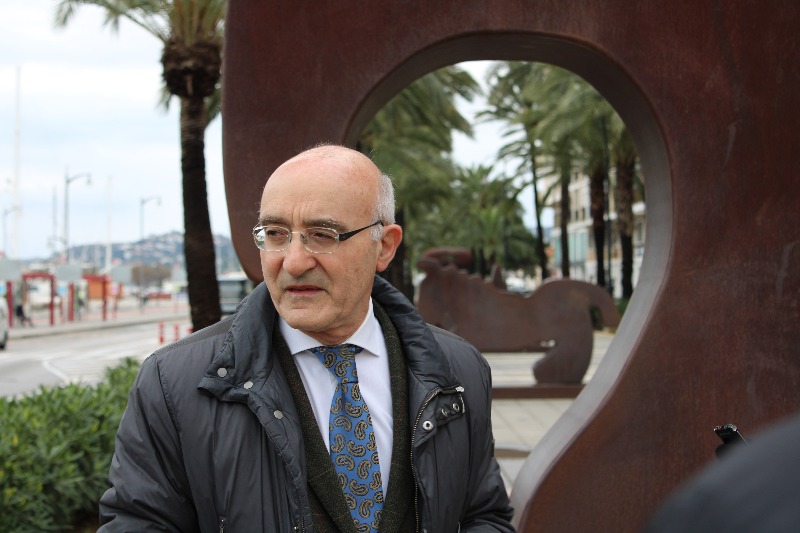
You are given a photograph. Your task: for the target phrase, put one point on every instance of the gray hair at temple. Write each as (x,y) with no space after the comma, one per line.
(384,206)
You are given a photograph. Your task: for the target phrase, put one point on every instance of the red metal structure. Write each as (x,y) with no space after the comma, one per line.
(102,281)
(10,302)
(708,90)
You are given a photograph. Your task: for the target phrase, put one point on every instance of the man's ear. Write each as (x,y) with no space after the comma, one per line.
(392,235)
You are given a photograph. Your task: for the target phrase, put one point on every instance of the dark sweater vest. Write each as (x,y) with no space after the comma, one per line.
(328,508)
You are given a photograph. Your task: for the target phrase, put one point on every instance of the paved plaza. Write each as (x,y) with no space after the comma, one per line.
(519,424)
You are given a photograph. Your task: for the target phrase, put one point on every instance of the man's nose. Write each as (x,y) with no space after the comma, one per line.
(297,259)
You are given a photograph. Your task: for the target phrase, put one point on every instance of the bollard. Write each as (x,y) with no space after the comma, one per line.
(160,333)
(177,332)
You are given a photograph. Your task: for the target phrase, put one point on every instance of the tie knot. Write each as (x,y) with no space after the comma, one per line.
(340,360)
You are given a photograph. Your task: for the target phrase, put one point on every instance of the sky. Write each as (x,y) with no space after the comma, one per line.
(84,100)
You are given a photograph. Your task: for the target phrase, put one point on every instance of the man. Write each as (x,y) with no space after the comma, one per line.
(235,427)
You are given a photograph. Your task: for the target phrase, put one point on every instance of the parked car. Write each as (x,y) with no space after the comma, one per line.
(233,287)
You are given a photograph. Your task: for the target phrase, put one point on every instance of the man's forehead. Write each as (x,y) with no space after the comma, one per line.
(307,174)
(318,180)
(329,161)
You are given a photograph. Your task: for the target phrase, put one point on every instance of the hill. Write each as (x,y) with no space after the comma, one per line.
(162,250)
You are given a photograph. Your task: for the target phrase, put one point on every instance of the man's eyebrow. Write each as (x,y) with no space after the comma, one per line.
(325,223)
(266,220)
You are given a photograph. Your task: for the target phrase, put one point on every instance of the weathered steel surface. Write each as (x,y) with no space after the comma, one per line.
(709,91)
(555,318)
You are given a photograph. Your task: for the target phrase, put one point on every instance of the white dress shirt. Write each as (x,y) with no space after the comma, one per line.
(373,380)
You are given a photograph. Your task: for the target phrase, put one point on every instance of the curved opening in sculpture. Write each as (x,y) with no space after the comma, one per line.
(632,106)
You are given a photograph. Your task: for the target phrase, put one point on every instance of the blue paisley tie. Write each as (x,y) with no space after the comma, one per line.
(352,440)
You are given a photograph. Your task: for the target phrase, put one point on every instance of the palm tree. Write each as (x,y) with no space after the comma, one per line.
(410,139)
(557,117)
(576,130)
(495,231)
(563,161)
(493,228)
(191,32)
(526,96)
(601,135)
(625,157)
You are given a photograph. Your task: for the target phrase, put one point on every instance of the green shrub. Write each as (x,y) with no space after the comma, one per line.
(55,450)
(622,305)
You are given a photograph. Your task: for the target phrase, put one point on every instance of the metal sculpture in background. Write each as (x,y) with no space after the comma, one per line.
(556,318)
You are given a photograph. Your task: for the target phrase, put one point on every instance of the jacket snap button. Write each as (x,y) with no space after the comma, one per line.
(427,425)
(222,372)
(248,385)
(456,407)
(278,414)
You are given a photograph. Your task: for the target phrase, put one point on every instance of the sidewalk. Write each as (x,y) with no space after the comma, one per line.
(518,424)
(127,312)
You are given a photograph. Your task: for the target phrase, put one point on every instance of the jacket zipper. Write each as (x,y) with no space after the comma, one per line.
(221,525)
(435,392)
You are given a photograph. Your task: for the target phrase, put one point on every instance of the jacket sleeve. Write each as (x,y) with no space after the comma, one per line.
(489,508)
(149,489)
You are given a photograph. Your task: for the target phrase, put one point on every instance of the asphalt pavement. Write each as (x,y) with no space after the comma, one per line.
(518,424)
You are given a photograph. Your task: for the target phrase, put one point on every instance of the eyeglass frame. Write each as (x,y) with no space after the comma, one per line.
(304,238)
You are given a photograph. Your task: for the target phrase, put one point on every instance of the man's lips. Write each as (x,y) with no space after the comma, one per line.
(302,290)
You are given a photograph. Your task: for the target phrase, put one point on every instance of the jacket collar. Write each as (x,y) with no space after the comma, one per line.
(244,362)
(246,359)
(426,361)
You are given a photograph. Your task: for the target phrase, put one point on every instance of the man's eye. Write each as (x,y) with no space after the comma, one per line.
(321,235)
(274,233)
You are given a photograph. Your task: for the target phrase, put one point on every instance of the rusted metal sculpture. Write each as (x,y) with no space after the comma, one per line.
(708,90)
(555,318)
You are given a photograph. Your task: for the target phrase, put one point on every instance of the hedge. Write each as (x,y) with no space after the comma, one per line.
(55,451)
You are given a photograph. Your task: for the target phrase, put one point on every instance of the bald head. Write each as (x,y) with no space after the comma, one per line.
(330,151)
(354,169)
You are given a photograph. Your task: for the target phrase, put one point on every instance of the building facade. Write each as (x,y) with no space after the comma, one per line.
(582,255)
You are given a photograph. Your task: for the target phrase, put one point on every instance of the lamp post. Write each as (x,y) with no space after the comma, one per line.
(67,180)
(142,203)
(7,212)
(108,232)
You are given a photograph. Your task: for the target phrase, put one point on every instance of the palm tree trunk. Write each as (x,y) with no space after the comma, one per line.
(564,222)
(597,194)
(624,200)
(540,251)
(198,240)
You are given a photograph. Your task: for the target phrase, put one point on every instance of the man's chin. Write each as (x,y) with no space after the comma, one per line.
(304,320)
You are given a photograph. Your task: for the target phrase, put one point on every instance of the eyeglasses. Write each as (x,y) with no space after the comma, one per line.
(315,240)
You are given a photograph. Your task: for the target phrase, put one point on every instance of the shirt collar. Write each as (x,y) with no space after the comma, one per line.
(368,336)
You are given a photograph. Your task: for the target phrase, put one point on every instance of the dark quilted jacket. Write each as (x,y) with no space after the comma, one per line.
(210,440)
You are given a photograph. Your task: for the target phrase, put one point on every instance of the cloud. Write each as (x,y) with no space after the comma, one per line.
(88,103)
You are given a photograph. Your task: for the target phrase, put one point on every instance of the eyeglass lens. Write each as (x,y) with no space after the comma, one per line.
(276,239)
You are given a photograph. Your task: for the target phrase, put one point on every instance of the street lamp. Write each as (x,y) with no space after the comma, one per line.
(142,203)
(7,212)
(67,180)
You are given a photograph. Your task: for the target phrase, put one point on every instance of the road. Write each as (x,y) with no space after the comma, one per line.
(80,352)
(75,357)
